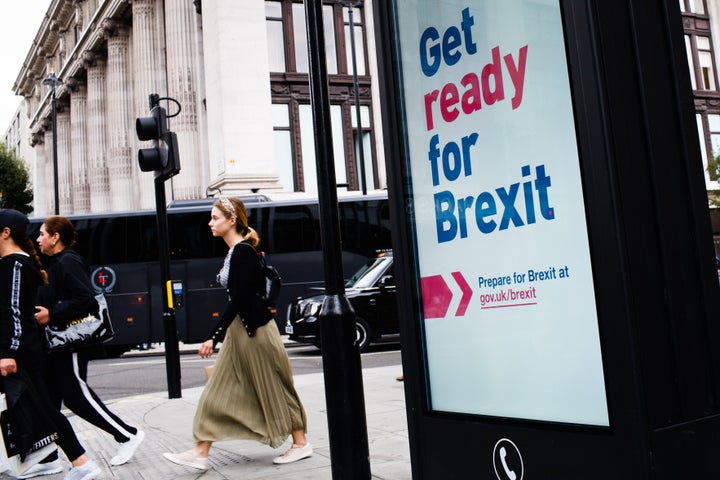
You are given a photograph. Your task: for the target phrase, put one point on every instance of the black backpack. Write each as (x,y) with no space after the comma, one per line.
(273,282)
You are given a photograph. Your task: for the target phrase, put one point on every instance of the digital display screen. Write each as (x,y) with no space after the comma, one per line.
(509,313)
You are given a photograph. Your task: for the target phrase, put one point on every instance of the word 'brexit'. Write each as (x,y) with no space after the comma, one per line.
(451,214)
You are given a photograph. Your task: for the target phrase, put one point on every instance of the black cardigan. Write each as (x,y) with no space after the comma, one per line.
(244,288)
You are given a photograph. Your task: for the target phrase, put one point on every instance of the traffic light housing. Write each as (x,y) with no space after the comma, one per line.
(162,157)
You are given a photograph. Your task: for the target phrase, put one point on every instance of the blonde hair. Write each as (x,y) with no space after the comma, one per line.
(233,207)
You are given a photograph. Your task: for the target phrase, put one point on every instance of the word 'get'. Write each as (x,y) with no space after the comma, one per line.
(472,90)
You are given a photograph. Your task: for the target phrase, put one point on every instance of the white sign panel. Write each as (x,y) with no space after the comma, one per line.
(510,318)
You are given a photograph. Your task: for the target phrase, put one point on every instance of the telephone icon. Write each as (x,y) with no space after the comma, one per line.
(511,475)
(505,455)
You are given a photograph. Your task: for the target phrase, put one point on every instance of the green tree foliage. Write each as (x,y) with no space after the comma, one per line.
(14,182)
(713,167)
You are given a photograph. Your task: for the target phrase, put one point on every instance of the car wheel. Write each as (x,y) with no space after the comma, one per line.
(363,333)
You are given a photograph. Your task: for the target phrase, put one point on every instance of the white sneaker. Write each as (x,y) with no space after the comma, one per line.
(127,450)
(188,459)
(49,468)
(88,471)
(294,453)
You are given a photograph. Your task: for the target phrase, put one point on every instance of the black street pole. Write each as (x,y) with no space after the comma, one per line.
(347,427)
(172,349)
(53,81)
(55,156)
(361,148)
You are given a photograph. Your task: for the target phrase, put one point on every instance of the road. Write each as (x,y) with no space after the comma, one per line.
(141,374)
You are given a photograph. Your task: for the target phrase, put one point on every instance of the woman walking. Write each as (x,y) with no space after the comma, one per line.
(250,394)
(21,347)
(67,296)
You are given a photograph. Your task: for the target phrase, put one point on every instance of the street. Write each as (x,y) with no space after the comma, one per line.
(144,372)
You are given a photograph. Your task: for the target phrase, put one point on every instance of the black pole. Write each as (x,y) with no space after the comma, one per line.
(53,81)
(55,154)
(347,428)
(361,148)
(172,349)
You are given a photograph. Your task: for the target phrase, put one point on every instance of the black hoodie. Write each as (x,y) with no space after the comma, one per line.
(19,331)
(68,294)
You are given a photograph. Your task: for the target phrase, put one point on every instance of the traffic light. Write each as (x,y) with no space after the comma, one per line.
(162,157)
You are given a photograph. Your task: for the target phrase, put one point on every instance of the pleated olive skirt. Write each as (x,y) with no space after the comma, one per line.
(251,394)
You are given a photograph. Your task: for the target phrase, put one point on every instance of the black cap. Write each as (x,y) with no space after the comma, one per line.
(17,222)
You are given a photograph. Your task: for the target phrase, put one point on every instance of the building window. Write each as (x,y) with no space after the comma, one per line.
(300,39)
(276,38)
(363,135)
(300,35)
(693,6)
(705,60)
(698,45)
(282,138)
(359,41)
(703,144)
(294,135)
(701,62)
(293,56)
(703,77)
(714,131)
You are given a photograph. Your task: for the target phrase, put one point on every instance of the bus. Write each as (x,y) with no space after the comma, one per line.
(122,251)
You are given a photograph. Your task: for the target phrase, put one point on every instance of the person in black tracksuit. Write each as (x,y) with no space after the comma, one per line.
(67,296)
(21,348)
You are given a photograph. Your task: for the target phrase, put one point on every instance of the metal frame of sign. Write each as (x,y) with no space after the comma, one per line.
(652,263)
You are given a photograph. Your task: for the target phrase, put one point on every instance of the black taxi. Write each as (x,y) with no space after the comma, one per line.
(370,291)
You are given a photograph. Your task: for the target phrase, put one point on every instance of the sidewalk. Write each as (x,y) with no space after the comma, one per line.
(168,425)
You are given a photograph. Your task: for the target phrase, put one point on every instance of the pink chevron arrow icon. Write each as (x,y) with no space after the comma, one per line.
(466,293)
(437,295)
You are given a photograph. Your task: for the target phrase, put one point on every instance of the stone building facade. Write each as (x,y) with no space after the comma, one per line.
(701,25)
(237,70)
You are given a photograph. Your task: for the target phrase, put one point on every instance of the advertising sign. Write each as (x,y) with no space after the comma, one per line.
(509,312)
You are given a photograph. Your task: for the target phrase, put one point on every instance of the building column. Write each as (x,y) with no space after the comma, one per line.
(237,79)
(65,153)
(40,191)
(121,124)
(183,86)
(146,75)
(78,136)
(97,135)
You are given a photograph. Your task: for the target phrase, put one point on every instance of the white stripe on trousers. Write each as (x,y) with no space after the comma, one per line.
(92,401)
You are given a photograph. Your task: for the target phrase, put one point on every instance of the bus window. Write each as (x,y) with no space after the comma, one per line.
(363,228)
(294,228)
(190,237)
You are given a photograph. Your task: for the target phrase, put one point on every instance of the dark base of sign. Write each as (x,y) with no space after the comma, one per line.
(500,452)
(689,450)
